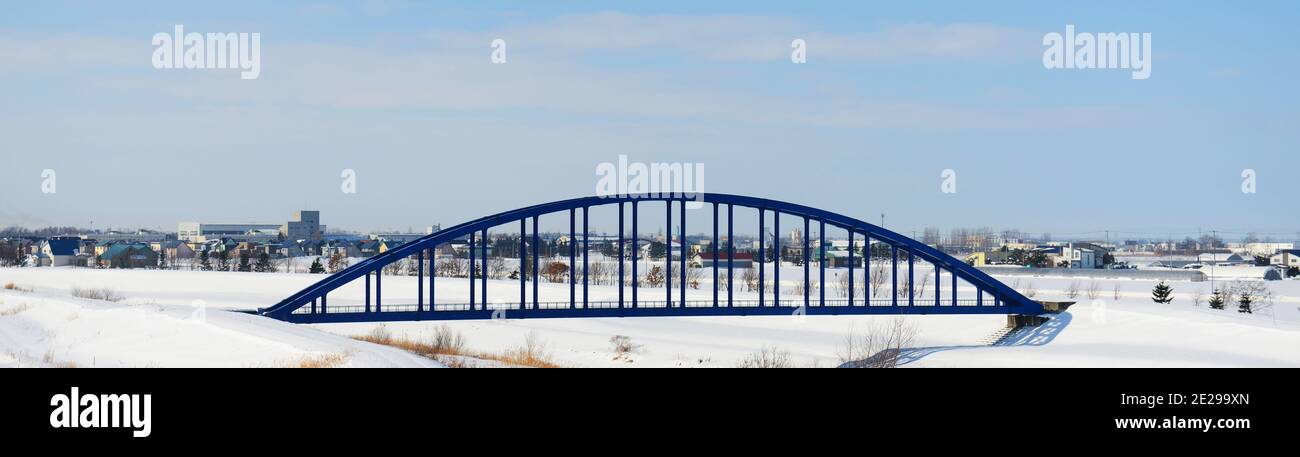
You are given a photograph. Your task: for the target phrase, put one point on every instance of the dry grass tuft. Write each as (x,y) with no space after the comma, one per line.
(14,310)
(532,353)
(332,360)
(448,347)
(55,363)
(16,288)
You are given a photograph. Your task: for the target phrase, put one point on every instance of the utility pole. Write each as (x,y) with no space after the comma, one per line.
(1214,259)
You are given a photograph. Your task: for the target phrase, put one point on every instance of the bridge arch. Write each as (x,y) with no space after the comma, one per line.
(311,305)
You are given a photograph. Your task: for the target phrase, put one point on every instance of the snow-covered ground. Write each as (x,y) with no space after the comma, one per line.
(154,325)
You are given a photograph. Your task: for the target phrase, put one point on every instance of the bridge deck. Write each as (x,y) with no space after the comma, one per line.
(464,311)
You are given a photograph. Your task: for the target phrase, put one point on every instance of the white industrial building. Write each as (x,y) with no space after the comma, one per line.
(306,226)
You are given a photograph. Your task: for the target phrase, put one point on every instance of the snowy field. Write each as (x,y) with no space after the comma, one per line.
(178,318)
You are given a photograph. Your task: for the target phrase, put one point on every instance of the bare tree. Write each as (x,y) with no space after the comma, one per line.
(497,268)
(879,346)
(877,278)
(750,279)
(767,357)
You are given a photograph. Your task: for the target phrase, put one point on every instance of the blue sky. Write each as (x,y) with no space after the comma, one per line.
(892,94)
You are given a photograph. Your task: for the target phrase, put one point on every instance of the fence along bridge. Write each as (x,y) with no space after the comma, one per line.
(311,305)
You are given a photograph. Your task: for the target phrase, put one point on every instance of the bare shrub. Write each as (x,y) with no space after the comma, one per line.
(841,285)
(15,310)
(532,353)
(497,268)
(623,346)
(879,346)
(452,268)
(16,288)
(1197,296)
(750,279)
(1116,293)
(1073,290)
(1030,291)
(105,294)
(655,277)
(694,277)
(767,357)
(446,341)
(380,335)
(1094,290)
(555,271)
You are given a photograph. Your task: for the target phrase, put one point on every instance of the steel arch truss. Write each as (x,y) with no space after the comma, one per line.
(311,305)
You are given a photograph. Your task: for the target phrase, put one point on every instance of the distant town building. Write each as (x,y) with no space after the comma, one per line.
(307,226)
(1288,258)
(59,251)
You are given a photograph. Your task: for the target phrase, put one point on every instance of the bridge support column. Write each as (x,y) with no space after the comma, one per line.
(636,255)
(911,278)
(473,268)
(573,262)
(851,265)
(893,251)
(682,274)
(419,282)
(731,252)
(938,285)
(761,257)
(586,254)
(716,261)
(806,258)
(621,259)
(821,263)
(954,287)
(523,257)
(483,250)
(776,258)
(537,241)
(668,251)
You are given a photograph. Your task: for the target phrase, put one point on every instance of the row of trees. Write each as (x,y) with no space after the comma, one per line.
(222,261)
(1247,296)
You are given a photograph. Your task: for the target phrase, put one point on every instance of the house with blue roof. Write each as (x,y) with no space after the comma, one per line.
(59,252)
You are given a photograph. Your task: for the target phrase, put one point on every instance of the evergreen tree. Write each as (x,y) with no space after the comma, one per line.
(1244,303)
(205,261)
(1162,293)
(657,250)
(245,262)
(263,263)
(223,260)
(1216,300)
(162,259)
(316,268)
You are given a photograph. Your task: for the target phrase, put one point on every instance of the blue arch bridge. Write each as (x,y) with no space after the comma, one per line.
(987,296)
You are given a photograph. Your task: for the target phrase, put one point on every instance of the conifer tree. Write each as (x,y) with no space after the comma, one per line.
(1162,293)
